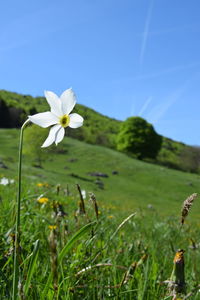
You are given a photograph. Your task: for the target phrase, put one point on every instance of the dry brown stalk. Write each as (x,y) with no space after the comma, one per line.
(58,189)
(54,257)
(93,199)
(176,284)
(179,272)
(186,207)
(81,203)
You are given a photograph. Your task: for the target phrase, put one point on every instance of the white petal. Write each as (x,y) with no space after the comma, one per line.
(52,136)
(4,181)
(60,135)
(68,100)
(54,102)
(44,119)
(75,120)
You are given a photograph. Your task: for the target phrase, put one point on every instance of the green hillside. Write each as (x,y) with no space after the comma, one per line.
(98,129)
(114,256)
(136,185)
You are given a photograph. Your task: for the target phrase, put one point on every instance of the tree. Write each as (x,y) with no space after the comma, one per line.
(137,137)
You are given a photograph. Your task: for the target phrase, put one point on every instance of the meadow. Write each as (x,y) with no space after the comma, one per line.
(117,242)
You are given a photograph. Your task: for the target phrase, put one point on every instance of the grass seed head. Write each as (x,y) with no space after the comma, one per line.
(186,207)
(94,201)
(58,189)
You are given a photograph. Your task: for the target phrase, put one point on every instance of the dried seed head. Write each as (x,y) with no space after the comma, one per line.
(58,189)
(94,201)
(186,207)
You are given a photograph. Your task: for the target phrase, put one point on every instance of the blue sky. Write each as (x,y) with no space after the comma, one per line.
(121,57)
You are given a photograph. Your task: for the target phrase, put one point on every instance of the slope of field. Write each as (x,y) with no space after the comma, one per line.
(136,185)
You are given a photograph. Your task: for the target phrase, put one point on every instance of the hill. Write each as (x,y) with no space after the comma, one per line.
(98,129)
(126,184)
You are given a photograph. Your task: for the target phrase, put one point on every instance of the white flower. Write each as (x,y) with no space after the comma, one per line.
(83,193)
(59,116)
(5,181)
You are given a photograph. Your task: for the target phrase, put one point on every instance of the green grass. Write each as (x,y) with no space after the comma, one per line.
(136,185)
(101,260)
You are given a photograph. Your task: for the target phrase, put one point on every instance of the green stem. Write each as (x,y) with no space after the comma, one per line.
(17,222)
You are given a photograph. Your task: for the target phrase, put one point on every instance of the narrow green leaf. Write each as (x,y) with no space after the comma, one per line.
(49,280)
(32,266)
(64,251)
(71,242)
(121,225)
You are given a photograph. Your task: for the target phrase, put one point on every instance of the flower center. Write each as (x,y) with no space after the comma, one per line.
(64,121)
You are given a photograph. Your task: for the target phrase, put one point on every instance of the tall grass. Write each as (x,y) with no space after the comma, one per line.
(66,254)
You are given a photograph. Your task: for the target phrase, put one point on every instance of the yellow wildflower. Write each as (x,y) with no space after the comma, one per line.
(43,200)
(39,184)
(42,184)
(110,217)
(52,227)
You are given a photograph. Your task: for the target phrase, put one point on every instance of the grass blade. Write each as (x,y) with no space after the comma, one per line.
(65,250)
(71,242)
(122,224)
(32,266)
